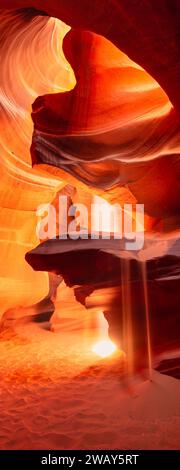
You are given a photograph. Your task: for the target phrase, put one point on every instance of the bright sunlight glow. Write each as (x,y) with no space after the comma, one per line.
(104,348)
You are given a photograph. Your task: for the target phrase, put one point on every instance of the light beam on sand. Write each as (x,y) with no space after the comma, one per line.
(104,348)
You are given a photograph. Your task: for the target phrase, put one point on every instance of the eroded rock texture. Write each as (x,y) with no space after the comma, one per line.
(24,75)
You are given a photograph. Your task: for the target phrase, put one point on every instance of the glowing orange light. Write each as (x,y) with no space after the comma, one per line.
(104,348)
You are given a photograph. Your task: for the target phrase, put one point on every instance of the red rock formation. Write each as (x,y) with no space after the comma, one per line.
(116,131)
(24,76)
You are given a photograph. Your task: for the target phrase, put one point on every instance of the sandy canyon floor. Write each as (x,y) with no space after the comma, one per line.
(57,394)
